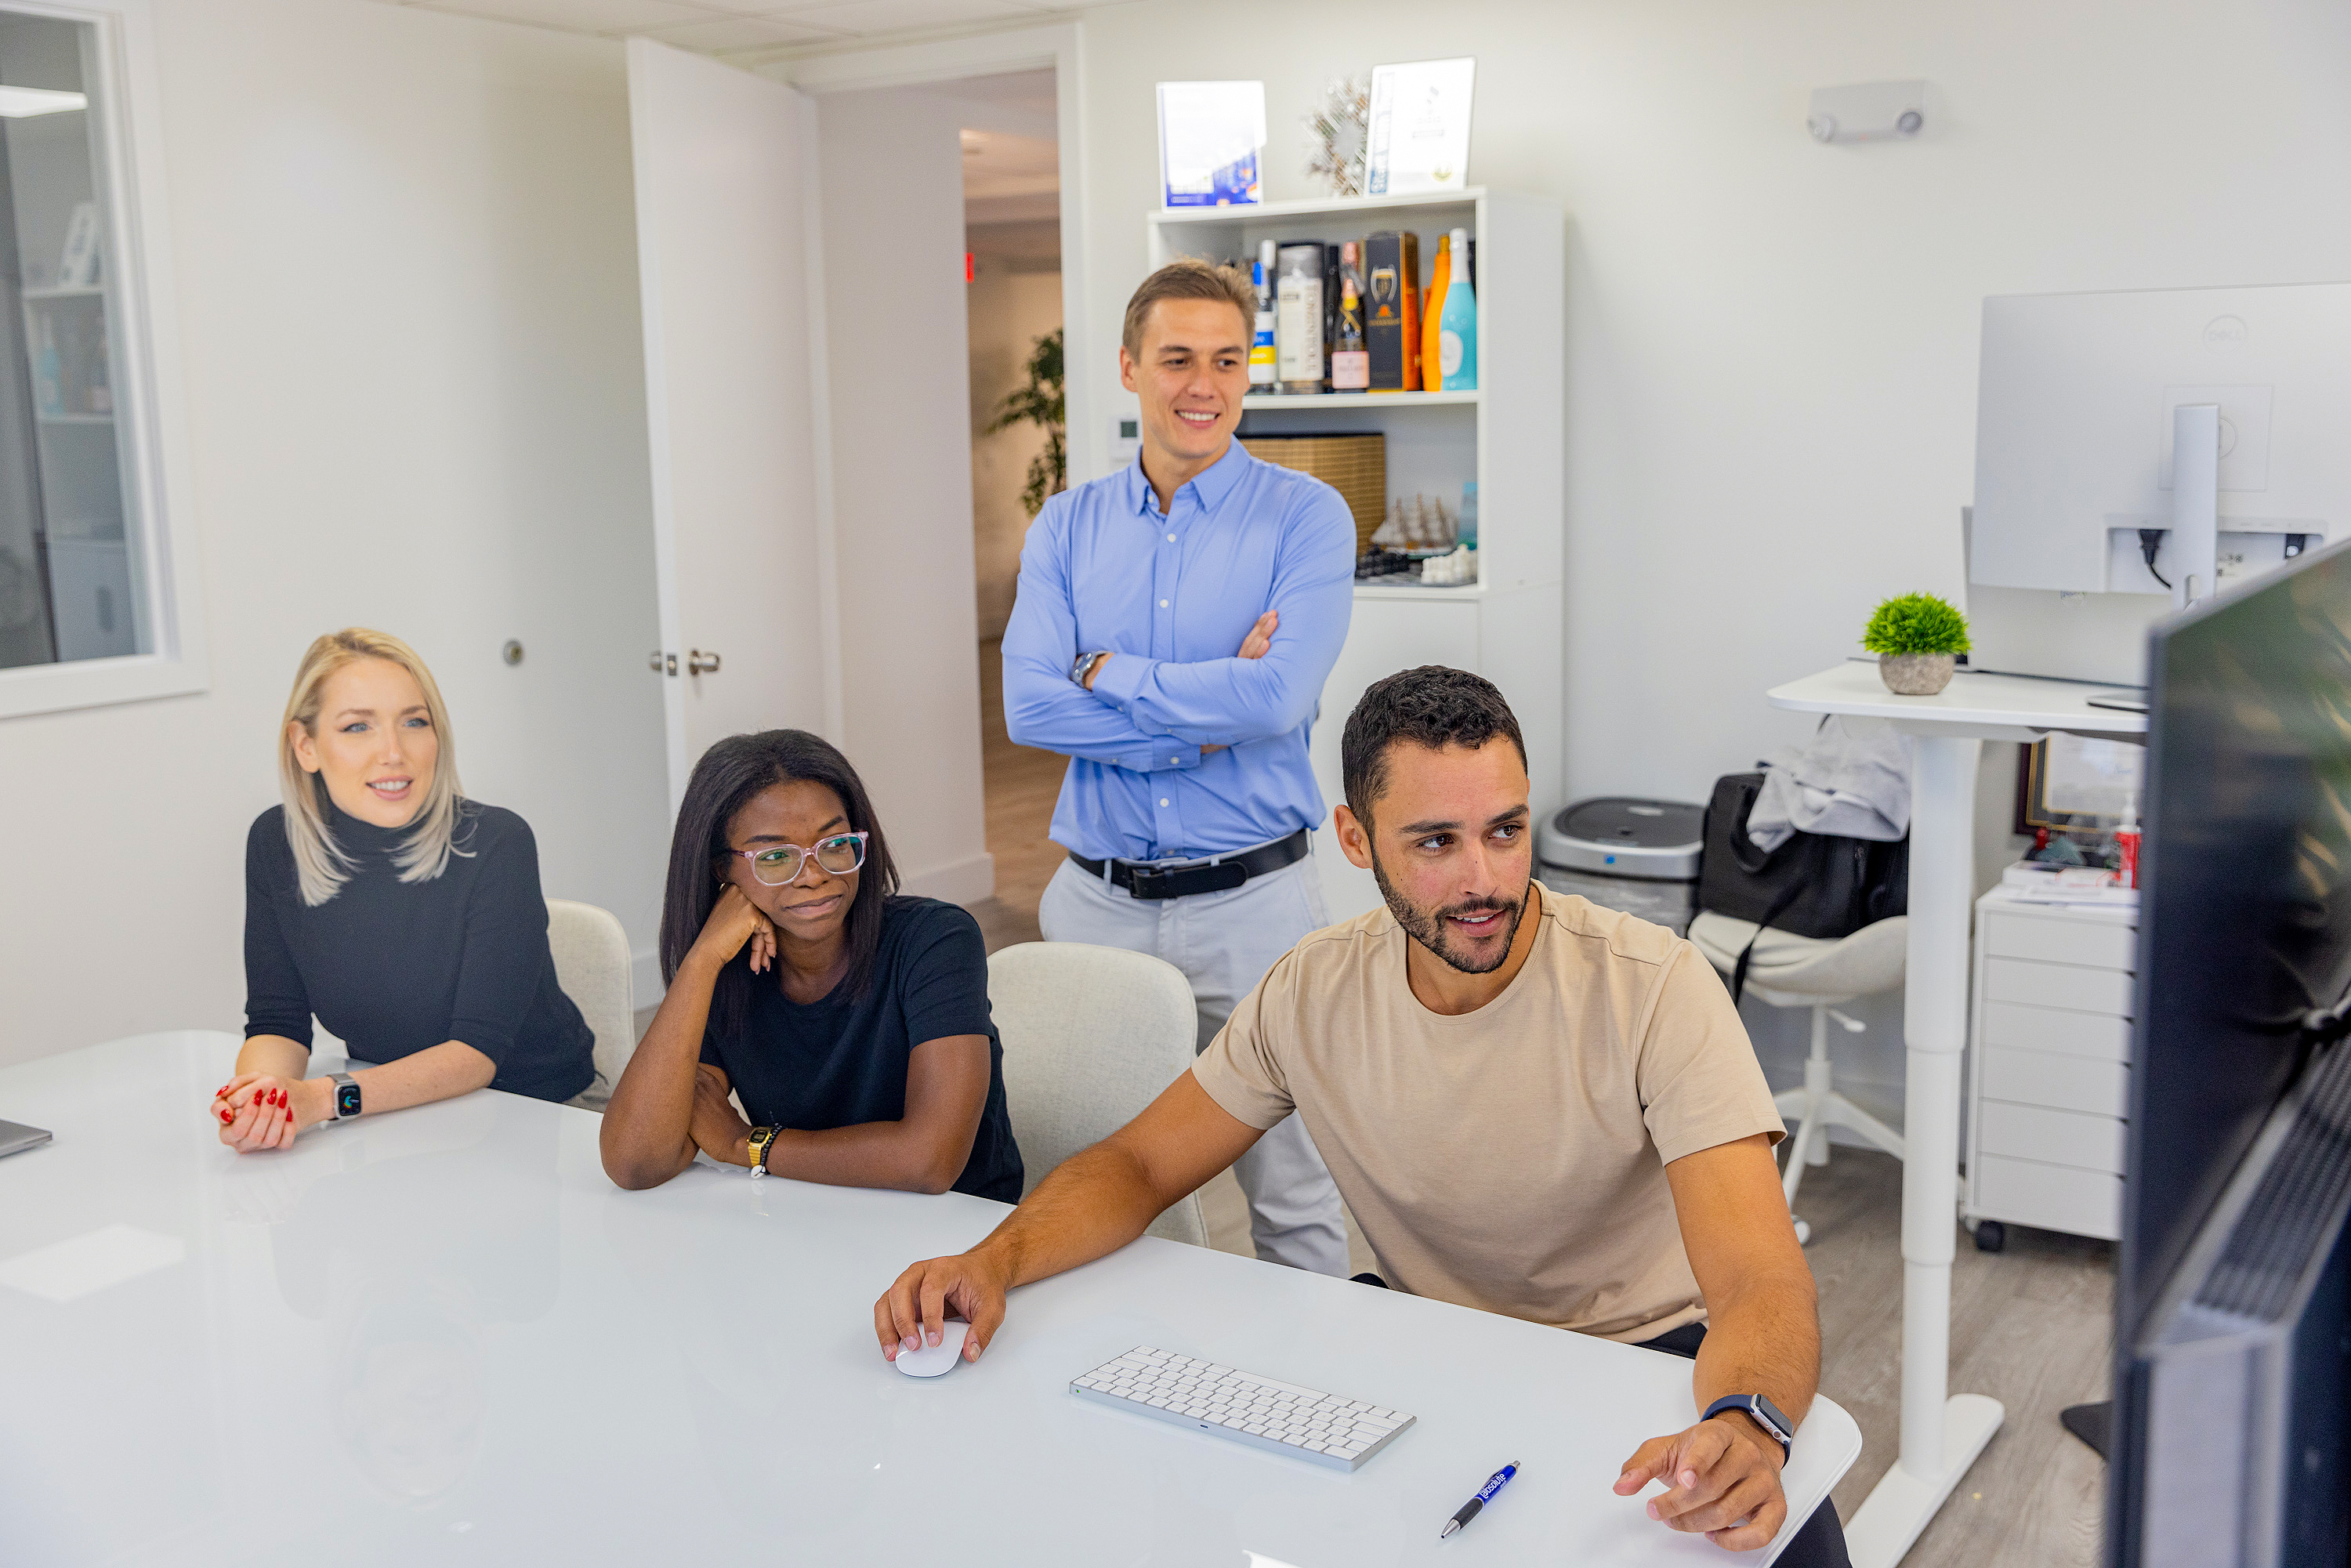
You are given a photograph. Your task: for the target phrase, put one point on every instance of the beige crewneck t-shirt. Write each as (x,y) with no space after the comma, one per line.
(1511,1159)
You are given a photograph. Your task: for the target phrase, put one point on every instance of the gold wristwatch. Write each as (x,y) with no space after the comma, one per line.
(760,1138)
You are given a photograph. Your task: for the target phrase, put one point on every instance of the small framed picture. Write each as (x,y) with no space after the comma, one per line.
(2075,784)
(1211,144)
(1420,126)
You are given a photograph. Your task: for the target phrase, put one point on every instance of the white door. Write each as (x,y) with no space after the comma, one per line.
(725,198)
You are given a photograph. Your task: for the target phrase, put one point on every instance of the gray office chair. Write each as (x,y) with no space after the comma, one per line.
(1091,1035)
(592,966)
(1792,971)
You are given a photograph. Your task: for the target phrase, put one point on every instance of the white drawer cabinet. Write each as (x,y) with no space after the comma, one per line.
(2049,1065)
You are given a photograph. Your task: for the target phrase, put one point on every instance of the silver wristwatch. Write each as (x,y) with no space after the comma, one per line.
(1085,664)
(347,1095)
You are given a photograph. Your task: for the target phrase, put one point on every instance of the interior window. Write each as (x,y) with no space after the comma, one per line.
(72,557)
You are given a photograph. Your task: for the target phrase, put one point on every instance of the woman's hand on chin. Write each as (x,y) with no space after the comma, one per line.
(734,921)
(261,1111)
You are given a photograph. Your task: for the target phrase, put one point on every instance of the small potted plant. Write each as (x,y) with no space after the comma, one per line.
(1915,639)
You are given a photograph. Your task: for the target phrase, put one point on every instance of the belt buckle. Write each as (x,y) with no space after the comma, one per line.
(1149,882)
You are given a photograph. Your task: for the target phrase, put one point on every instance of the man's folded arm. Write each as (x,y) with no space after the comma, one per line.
(1042,706)
(1230,701)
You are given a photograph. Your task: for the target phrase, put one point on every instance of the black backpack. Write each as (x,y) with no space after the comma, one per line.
(1815,885)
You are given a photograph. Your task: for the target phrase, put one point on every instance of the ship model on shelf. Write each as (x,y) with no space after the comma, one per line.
(1422,542)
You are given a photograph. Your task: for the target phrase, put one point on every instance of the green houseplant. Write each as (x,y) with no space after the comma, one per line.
(1039,401)
(1915,638)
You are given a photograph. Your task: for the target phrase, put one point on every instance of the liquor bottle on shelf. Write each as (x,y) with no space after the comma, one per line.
(1456,341)
(1432,307)
(1329,308)
(1262,369)
(1298,310)
(1392,310)
(1350,360)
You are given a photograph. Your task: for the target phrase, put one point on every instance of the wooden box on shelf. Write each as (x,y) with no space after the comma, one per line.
(1354,465)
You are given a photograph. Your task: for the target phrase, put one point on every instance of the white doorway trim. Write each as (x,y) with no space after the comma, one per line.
(1061,46)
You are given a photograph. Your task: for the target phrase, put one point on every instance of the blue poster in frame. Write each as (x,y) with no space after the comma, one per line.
(1211,144)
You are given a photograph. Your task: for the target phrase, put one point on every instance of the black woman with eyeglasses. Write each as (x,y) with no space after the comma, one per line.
(852,1022)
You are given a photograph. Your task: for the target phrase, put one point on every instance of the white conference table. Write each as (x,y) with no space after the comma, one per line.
(441,1335)
(1942,1432)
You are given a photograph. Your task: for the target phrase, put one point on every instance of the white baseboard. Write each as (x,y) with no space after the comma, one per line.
(645,986)
(965,881)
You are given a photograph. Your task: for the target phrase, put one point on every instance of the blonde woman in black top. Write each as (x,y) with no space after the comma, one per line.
(406,917)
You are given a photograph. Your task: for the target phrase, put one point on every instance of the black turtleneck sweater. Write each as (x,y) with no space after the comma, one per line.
(393,968)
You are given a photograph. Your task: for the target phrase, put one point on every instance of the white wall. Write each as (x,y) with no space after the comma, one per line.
(893,206)
(405,273)
(1772,344)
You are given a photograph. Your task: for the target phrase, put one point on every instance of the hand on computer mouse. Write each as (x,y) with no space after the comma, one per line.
(912,1313)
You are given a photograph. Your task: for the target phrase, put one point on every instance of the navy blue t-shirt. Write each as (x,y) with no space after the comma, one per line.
(841,1061)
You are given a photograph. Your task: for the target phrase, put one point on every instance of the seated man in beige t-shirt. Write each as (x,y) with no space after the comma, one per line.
(1533,1105)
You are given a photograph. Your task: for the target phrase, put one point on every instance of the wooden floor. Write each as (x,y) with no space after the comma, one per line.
(1021,786)
(2029,1325)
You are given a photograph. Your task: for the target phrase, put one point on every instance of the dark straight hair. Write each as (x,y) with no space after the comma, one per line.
(726,779)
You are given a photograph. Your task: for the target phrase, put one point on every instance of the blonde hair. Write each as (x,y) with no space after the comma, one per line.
(320,865)
(1188,278)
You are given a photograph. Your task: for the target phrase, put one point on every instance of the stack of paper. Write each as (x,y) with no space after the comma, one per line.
(2038,883)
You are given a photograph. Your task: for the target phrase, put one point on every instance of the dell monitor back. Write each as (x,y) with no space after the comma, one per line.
(2075,424)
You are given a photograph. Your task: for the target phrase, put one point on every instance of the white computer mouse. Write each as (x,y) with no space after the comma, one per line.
(935,1360)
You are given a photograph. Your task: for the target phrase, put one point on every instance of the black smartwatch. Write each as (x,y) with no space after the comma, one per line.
(1760,1411)
(347,1095)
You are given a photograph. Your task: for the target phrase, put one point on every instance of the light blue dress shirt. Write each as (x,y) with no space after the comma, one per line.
(1173,597)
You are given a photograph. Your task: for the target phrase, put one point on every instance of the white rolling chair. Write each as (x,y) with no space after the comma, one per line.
(1091,1035)
(1792,971)
(592,965)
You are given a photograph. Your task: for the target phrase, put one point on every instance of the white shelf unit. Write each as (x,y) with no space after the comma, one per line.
(1509,436)
(2049,1078)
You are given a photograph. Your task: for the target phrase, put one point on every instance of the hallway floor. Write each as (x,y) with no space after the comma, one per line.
(1022,785)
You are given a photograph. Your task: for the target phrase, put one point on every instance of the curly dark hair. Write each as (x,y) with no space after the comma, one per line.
(1434,705)
(729,774)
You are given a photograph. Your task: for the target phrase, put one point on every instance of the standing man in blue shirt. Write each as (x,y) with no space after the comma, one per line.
(1173,629)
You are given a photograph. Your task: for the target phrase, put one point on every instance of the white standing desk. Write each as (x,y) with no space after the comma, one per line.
(1942,1433)
(442,1337)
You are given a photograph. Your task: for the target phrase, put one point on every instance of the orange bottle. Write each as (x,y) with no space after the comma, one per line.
(1431,309)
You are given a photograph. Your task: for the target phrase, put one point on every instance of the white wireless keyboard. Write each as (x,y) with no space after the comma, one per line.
(1258,1411)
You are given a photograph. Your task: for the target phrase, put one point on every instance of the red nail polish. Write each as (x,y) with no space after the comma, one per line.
(227,1117)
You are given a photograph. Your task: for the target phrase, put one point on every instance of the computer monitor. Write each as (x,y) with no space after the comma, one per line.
(2081,399)
(2232,1369)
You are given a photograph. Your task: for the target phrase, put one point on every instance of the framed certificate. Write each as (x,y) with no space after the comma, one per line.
(1211,144)
(1420,127)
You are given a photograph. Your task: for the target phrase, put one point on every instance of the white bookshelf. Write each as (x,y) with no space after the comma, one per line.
(1358,400)
(1507,436)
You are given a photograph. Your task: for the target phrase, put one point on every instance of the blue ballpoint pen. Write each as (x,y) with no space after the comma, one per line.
(1494,1483)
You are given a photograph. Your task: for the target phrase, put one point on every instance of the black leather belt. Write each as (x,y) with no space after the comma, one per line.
(1145,880)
